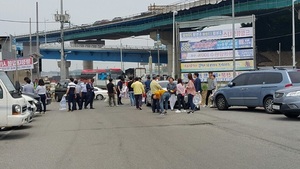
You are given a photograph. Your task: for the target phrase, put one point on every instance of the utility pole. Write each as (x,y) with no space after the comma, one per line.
(63,72)
(62,18)
(37,41)
(30,45)
(173,45)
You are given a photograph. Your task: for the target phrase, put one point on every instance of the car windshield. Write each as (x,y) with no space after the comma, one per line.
(7,82)
(295,77)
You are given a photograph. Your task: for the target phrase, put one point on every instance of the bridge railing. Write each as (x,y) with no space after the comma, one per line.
(187,5)
(167,9)
(98,46)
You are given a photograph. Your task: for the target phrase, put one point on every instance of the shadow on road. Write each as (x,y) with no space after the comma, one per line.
(13,136)
(23,127)
(246,110)
(283,118)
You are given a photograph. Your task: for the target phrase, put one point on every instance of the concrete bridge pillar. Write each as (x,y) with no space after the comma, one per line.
(88,65)
(166,38)
(68,64)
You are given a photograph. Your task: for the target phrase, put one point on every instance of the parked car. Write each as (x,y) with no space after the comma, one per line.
(31,106)
(100,94)
(163,84)
(36,97)
(256,88)
(287,101)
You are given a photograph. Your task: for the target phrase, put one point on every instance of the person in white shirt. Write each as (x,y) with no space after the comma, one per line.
(180,96)
(41,91)
(28,88)
(78,95)
(71,94)
(83,92)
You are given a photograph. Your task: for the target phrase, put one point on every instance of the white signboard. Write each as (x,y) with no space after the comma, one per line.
(197,36)
(217,55)
(20,64)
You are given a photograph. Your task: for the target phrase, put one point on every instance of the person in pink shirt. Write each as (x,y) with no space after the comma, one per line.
(191,91)
(180,96)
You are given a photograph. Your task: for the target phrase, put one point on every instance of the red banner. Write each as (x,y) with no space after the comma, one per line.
(20,64)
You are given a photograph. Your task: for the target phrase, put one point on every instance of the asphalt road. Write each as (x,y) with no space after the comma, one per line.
(125,138)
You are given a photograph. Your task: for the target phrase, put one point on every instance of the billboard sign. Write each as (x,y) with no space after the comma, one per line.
(196,36)
(220,76)
(217,55)
(216,66)
(215,45)
(20,64)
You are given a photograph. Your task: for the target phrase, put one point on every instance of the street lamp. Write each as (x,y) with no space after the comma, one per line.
(150,64)
(45,31)
(121,55)
(233,39)
(294,38)
(158,43)
(173,47)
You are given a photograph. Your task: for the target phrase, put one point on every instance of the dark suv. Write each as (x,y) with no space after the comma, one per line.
(255,89)
(60,90)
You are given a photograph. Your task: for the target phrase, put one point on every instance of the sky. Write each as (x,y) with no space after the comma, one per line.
(81,12)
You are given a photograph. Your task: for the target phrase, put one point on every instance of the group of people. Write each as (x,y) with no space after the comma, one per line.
(160,97)
(135,90)
(80,94)
(39,89)
(177,92)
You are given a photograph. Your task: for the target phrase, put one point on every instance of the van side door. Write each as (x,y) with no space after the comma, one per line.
(3,107)
(234,94)
(252,89)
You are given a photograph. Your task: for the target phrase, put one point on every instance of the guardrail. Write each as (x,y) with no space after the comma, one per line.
(169,8)
(97,47)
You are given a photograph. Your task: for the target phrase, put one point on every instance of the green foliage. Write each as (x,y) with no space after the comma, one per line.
(204,86)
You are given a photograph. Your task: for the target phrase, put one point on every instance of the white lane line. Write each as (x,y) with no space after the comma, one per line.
(5,134)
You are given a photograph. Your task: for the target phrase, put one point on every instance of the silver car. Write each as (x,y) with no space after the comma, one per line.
(287,101)
(163,84)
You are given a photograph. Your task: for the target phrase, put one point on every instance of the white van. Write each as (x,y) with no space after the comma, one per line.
(13,107)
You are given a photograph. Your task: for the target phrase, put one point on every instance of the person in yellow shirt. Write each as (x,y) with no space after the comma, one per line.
(138,90)
(163,97)
(154,86)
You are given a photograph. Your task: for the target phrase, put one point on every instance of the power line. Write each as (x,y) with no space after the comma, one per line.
(19,21)
(275,37)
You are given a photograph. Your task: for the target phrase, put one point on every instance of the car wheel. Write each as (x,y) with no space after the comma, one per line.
(251,108)
(291,116)
(99,97)
(268,102)
(221,103)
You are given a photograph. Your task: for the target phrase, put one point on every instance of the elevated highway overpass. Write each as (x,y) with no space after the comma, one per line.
(88,52)
(161,21)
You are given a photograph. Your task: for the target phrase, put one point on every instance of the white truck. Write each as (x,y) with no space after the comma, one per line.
(13,107)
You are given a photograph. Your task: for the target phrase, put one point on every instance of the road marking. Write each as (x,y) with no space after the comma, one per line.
(5,134)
